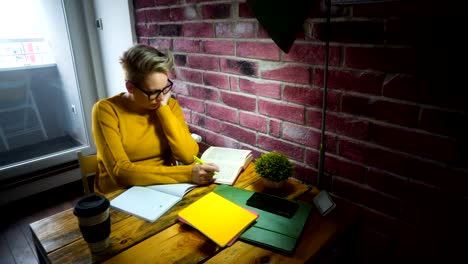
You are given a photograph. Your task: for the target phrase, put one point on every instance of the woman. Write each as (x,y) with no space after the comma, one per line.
(140,134)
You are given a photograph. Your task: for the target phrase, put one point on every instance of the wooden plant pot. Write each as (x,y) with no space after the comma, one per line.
(273,184)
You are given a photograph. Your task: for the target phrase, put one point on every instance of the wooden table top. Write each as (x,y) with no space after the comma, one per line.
(167,240)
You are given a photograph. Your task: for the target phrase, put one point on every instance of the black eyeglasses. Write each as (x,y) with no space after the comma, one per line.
(154,94)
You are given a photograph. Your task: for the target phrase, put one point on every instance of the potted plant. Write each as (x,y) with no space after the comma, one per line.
(274,168)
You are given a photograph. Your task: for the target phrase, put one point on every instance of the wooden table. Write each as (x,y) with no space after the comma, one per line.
(58,239)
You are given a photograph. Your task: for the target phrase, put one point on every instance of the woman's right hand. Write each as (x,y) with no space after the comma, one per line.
(203,174)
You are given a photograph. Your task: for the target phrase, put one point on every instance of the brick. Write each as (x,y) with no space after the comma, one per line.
(300,134)
(143,40)
(244,67)
(384,182)
(140,17)
(187,115)
(142,3)
(216,139)
(203,93)
(180,60)
(219,47)
(343,168)
(147,30)
(274,127)
(447,123)
(311,158)
(311,54)
(356,81)
(397,163)
(395,113)
(157,15)
(282,111)
(305,174)
(238,133)
(294,74)
(222,113)
(425,145)
(372,156)
(401,60)
(272,144)
(216,80)
(161,44)
(245,11)
(216,11)
(362,32)
(417,89)
(198,30)
(172,30)
(368,197)
(189,75)
(206,122)
(261,88)
(235,30)
(234,83)
(165,2)
(186,45)
(180,88)
(203,62)
(314,118)
(331,143)
(262,34)
(259,50)
(239,101)
(347,126)
(303,95)
(184,13)
(253,121)
(191,103)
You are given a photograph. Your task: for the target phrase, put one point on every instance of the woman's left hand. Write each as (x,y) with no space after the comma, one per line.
(166,98)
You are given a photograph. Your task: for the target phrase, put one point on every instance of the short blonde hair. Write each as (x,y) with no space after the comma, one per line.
(141,60)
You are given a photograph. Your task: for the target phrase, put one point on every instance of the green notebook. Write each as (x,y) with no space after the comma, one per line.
(270,230)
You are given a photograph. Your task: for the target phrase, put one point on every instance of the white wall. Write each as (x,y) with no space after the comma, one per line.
(116,36)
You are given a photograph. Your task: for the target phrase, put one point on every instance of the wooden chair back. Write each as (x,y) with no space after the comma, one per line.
(88,168)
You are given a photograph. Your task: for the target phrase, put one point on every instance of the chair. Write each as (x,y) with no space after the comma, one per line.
(88,168)
(16,97)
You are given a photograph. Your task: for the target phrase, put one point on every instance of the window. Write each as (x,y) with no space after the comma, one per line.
(23,43)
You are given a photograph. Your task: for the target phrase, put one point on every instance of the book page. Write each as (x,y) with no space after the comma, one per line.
(177,189)
(230,162)
(144,202)
(227,172)
(225,155)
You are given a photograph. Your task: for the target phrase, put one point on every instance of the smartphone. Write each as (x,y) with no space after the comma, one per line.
(273,204)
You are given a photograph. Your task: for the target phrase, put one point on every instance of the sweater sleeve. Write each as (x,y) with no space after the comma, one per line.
(181,142)
(115,168)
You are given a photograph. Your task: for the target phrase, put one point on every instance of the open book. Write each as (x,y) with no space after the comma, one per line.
(230,162)
(150,202)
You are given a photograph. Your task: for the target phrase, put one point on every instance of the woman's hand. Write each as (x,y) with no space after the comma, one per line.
(203,174)
(165,98)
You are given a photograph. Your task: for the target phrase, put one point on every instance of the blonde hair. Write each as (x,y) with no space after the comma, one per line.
(141,60)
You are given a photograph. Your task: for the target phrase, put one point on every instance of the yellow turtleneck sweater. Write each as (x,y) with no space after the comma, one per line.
(135,149)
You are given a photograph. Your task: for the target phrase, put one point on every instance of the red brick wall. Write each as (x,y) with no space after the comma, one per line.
(395,125)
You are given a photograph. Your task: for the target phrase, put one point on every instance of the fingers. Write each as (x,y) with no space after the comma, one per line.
(210,167)
(203,174)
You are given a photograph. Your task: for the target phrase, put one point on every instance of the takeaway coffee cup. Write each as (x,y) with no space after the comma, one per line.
(93,218)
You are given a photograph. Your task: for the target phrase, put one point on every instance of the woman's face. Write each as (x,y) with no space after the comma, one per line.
(151,96)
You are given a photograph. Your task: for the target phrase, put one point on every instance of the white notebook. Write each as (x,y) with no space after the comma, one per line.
(150,202)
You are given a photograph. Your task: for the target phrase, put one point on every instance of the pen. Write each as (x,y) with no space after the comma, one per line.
(201,161)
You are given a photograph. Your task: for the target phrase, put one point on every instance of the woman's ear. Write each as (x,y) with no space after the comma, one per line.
(129,86)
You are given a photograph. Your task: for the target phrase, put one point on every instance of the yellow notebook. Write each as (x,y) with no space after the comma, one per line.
(218,218)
